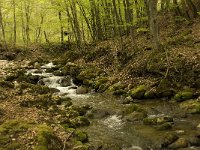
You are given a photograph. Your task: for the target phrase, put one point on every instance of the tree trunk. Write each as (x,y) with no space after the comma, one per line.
(14,24)
(2,29)
(153,23)
(76,22)
(61,28)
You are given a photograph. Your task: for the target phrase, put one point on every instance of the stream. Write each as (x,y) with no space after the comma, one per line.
(109,130)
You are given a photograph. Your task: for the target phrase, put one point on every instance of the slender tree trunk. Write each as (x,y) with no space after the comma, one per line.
(23,28)
(27,16)
(192,8)
(86,19)
(153,23)
(2,29)
(38,35)
(61,28)
(14,24)
(76,22)
(46,37)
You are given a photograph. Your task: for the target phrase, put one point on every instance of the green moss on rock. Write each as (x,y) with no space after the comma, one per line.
(165,126)
(150,121)
(81,136)
(184,95)
(138,93)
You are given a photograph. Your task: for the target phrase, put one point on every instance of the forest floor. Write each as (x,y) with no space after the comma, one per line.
(178,62)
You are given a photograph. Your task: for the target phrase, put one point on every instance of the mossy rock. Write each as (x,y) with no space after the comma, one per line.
(103,87)
(167,93)
(150,121)
(180,143)
(81,109)
(150,94)
(81,136)
(164,119)
(46,139)
(99,82)
(60,100)
(191,106)
(119,92)
(184,95)
(88,82)
(33,78)
(168,139)
(41,101)
(71,69)
(131,108)
(13,127)
(116,86)
(80,121)
(40,89)
(6,84)
(138,93)
(135,116)
(165,126)
(80,146)
(4,139)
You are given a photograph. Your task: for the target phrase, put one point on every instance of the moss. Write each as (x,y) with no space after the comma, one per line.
(191,106)
(81,147)
(13,126)
(40,89)
(99,82)
(87,74)
(6,84)
(133,107)
(149,94)
(165,126)
(46,139)
(80,121)
(4,139)
(119,92)
(116,86)
(13,146)
(150,121)
(81,136)
(138,93)
(184,95)
(103,87)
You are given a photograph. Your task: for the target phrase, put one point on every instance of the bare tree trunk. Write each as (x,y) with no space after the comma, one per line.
(14,24)
(38,39)
(27,16)
(76,22)
(153,23)
(192,8)
(46,37)
(61,28)
(86,19)
(2,29)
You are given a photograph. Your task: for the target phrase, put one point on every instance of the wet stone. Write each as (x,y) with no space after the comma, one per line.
(180,143)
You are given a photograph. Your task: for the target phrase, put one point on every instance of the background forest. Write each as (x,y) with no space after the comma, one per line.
(39,21)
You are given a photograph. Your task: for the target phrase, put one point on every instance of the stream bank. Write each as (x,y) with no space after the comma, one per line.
(115,122)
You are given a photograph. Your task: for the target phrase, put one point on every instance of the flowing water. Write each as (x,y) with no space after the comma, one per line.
(108,129)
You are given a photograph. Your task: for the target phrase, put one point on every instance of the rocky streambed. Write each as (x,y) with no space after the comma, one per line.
(115,119)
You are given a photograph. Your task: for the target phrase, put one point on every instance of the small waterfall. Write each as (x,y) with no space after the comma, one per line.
(56,82)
